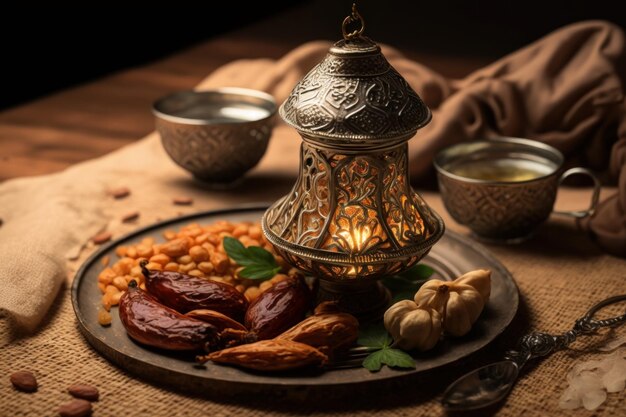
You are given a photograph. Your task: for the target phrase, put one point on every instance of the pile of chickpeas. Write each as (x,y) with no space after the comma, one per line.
(194,250)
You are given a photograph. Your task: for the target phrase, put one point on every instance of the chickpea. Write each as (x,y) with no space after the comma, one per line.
(196,273)
(172,266)
(115,298)
(106,301)
(131,252)
(252,293)
(188,267)
(135,271)
(104,317)
(161,258)
(220,262)
(106,276)
(265,285)
(255,232)
(153,266)
(278,278)
(203,238)
(123,266)
(240,230)
(206,267)
(199,254)
(121,251)
(144,251)
(120,283)
(185,259)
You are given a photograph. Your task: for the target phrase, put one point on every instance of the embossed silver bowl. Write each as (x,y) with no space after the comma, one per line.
(500,209)
(216,135)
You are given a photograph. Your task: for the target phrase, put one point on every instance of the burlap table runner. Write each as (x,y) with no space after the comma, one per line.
(559,273)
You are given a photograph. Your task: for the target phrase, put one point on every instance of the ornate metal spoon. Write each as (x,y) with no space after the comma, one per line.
(487,385)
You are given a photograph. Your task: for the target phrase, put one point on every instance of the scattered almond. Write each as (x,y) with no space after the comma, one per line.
(75,408)
(119,192)
(101,238)
(84,391)
(130,216)
(24,381)
(182,201)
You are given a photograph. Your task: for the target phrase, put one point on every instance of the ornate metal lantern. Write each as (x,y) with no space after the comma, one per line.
(352,215)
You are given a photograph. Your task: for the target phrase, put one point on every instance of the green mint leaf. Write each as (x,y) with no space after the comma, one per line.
(374,336)
(396,358)
(235,250)
(373,361)
(258,263)
(261,256)
(418,272)
(258,272)
(393,358)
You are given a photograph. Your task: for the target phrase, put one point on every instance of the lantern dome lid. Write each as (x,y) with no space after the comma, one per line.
(354,96)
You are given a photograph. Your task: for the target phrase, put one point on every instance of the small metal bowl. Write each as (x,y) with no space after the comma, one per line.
(217,135)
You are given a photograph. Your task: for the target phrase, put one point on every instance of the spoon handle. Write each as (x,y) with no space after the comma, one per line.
(538,344)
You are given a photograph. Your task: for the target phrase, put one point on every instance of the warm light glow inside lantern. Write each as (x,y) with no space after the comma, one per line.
(352,215)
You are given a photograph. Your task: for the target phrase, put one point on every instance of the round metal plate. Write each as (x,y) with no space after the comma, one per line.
(450,257)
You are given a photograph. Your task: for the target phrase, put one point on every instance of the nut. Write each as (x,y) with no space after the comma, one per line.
(104,317)
(101,238)
(75,408)
(24,381)
(119,192)
(130,216)
(84,391)
(269,355)
(175,248)
(182,201)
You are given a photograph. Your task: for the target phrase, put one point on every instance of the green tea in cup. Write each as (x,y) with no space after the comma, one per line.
(502,169)
(502,189)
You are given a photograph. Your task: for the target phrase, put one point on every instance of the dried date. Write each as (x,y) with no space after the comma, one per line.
(278,308)
(185,293)
(149,322)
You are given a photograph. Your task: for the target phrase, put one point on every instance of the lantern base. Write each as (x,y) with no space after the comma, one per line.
(365,299)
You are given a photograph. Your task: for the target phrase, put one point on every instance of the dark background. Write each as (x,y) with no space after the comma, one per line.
(74,46)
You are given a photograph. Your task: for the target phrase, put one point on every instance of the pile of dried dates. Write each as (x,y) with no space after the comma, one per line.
(183,312)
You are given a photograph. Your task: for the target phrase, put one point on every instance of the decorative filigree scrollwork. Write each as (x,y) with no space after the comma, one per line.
(357,205)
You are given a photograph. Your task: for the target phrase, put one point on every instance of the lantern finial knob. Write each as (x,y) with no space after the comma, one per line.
(354,18)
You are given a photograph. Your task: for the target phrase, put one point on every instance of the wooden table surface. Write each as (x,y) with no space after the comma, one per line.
(87,121)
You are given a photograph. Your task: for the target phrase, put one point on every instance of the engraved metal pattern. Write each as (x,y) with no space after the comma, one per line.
(215,153)
(360,66)
(352,215)
(538,344)
(499,210)
(355,97)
